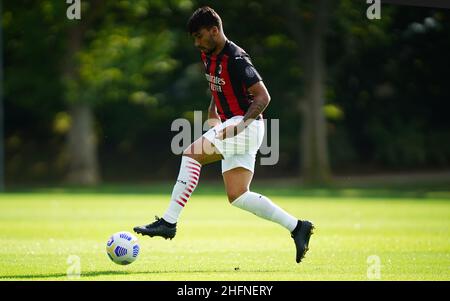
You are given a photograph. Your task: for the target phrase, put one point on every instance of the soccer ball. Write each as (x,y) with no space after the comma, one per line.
(122,248)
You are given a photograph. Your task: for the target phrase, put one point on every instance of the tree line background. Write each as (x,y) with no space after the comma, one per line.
(92,100)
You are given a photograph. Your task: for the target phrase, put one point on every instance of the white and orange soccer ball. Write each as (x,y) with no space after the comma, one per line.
(122,248)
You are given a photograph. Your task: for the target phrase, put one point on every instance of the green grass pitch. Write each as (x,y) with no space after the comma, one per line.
(408,233)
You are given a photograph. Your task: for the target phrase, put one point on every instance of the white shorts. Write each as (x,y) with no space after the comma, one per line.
(240,150)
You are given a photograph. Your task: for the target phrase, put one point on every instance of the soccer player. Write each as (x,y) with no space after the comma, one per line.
(238,100)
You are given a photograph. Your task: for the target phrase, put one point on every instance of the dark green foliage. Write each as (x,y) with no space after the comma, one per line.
(387,84)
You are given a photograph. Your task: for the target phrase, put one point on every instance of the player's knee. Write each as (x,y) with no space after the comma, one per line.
(188,153)
(235,193)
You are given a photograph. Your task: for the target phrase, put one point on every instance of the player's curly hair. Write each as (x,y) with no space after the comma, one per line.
(204,17)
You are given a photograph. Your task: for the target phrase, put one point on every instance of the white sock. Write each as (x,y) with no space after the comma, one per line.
(265,208)
(186,182)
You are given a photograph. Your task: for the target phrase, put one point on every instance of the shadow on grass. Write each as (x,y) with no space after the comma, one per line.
(438,189)
(109,273)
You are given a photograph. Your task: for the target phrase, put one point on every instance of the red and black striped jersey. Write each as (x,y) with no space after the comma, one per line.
(229,74)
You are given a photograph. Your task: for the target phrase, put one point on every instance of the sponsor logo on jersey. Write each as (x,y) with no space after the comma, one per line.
(215,80)
(215,83)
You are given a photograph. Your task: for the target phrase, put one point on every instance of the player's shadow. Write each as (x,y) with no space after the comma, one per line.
(107,273)
(60,275)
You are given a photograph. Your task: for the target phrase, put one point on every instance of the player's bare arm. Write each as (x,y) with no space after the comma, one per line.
(261,99)
(213,116)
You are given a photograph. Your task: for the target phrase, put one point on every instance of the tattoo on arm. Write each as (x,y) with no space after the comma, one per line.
(261,100)
(257,107)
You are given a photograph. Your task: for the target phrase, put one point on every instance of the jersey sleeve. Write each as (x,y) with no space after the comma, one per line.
(245,71)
